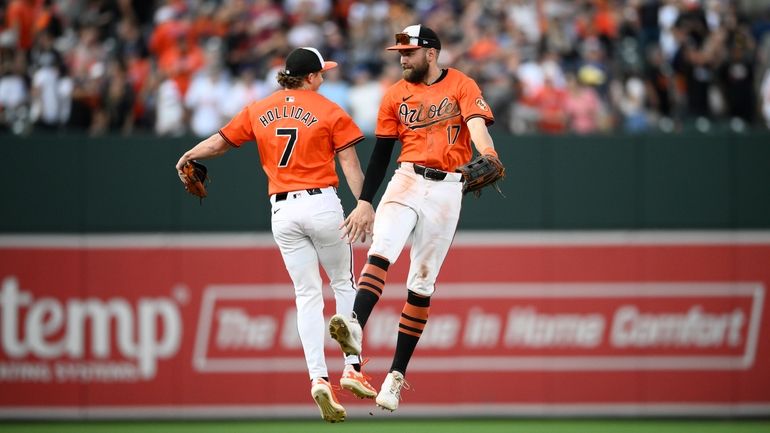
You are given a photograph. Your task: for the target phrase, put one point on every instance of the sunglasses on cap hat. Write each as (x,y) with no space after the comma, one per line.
(414,37)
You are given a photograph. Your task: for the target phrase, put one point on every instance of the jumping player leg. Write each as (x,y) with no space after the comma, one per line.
(335,255)
(433,235)
(392,226)
(301,261)
(437,216)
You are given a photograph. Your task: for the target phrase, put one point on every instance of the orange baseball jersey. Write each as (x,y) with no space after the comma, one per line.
(430,120)
(298,132)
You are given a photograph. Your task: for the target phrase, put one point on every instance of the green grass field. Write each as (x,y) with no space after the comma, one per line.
(399,426)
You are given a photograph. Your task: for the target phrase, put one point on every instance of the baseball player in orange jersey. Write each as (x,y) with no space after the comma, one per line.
(298,133)
(435,114)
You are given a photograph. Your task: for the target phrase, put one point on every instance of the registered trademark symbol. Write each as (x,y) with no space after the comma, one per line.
(181,294)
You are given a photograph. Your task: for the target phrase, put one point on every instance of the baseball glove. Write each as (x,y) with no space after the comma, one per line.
(194,178)
(480,172)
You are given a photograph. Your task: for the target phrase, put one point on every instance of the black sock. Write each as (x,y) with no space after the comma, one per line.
(414,317)
(370,287)
(363,306)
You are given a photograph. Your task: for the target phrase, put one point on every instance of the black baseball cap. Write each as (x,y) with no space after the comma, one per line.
(416,36)
(306,60)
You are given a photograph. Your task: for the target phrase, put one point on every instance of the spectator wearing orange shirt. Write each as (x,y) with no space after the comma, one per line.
(47,18)
(20,17)
(598,20)
(549,101)
(181,62)
(168,30)
(485,44)
(205,24)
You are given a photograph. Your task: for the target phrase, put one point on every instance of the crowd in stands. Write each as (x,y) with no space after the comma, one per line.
(175,67)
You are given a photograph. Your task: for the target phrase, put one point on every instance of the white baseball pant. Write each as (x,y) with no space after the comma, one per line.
(428,210)
(306,229)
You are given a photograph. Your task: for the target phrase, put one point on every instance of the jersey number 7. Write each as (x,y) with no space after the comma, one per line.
(292,134)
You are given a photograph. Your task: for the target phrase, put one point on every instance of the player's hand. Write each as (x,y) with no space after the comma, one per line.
(179,166)
(358,225)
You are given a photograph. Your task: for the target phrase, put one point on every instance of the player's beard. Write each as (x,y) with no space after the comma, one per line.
(417,73)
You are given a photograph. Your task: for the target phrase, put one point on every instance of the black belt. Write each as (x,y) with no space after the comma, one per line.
(281,196)
(429,173)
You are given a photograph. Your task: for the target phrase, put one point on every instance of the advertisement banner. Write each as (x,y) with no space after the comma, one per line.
(536,324)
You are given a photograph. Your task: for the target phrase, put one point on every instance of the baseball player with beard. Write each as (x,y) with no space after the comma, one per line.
(435,113)
(298,133)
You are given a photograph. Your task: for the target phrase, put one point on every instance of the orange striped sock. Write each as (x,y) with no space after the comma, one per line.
(414,317)
(373,275)
(370,286)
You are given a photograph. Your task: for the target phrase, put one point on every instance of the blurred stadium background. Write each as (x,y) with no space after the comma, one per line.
(619,286)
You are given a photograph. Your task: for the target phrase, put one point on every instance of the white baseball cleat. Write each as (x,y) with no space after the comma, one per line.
(323,394)
(357,382)
(390,393)
(347,332)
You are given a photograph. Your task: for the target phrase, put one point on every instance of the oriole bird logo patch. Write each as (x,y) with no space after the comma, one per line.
(482,104)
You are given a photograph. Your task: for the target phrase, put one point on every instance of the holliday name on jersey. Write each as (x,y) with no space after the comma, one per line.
(293,112)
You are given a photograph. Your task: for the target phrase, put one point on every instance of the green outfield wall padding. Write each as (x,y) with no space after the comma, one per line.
(76,184)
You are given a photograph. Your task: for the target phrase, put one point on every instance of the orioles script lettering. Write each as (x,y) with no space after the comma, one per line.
(421,116)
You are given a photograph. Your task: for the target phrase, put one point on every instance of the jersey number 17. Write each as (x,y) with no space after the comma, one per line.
(452,132)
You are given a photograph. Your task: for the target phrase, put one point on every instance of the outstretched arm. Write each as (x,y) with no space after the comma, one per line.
(361,220)
(351,167)
(480,136)
(209,148)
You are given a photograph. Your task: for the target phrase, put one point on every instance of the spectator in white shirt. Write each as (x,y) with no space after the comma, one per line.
(245,90)
(365,96)
(169,110)
(13,95)
(336,89)
(205,99)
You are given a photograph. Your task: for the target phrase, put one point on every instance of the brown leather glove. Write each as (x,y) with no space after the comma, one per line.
(194,177)
(481,171)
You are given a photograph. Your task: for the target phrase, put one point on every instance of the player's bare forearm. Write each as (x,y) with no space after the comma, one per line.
(358,225)
(209,148)
(351,167)
(480,136)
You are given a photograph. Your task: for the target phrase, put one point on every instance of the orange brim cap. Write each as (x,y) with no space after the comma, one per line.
(402,47)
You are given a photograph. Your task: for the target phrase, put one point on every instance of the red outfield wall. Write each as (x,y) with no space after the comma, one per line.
(522,324)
